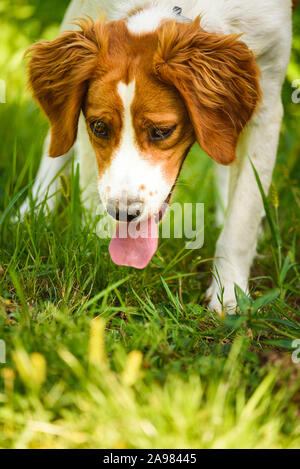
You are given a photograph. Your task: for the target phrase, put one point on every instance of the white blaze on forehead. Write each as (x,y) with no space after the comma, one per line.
(149,19)
(126,93)
(130,173)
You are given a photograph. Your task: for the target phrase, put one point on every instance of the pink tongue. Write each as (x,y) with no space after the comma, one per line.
(134,248)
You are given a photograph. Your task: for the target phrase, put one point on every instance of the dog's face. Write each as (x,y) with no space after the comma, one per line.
(139,128)
(146,98)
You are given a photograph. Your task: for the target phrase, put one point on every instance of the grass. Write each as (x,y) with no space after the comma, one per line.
(107,357)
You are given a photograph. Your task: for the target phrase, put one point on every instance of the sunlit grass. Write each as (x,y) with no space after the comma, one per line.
(92,406)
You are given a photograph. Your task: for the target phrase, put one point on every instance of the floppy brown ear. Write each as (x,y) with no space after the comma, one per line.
(59,71)
(217,77)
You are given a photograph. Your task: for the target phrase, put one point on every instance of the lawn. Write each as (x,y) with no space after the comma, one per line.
(104,357)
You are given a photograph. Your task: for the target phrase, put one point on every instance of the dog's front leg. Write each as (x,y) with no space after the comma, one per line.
(236,246)
(46,186)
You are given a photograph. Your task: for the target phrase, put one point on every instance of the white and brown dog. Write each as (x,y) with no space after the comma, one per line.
(142,86)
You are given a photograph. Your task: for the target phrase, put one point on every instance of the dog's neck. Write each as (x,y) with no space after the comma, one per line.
(144,16)
(148,18)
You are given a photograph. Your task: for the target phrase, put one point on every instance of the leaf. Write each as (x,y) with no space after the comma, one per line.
(283,343)
(265,300)
(75,201)
(25,314)
(235,321)
(274,228)
(12,203)
(243,301)
(285,268)
(171,297)
(105,292)
(283,322)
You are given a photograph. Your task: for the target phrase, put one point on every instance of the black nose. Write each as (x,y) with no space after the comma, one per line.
(125,210)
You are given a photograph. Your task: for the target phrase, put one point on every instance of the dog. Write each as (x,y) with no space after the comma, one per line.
(134,91)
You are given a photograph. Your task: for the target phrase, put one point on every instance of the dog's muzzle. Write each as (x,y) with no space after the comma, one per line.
(125,210)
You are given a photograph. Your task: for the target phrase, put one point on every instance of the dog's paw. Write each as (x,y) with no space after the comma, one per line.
(221,296)
(23,210)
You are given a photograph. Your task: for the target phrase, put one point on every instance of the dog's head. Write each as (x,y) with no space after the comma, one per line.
(146,99)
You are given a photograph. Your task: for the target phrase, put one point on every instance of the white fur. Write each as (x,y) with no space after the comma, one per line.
(148,20)
(130,169)
(266,29)
(46,185)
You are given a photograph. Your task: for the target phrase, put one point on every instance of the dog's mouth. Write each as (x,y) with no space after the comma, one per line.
(135,243)
(159,216)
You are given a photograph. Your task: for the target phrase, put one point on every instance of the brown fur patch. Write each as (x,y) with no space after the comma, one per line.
(59,72)
(130,57)
(204,84)
(217,77)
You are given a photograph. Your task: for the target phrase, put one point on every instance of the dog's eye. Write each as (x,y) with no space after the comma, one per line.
(161,133)
(100,129)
